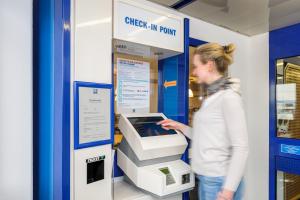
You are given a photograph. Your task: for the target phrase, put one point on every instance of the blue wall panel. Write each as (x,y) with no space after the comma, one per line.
(283,43)
(45,99)
(170,73)
(51,90)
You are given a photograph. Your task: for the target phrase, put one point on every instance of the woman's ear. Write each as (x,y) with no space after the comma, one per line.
(211,66)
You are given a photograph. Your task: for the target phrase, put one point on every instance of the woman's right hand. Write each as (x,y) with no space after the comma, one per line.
(168,124)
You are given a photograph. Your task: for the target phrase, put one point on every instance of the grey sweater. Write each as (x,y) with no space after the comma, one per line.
(219,138)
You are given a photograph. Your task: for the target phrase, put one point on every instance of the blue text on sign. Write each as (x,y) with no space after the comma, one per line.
(145,25)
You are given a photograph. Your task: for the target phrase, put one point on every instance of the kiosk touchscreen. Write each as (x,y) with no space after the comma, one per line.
(150,155)
(147,126)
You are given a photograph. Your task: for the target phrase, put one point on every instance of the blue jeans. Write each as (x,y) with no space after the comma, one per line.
(209,187)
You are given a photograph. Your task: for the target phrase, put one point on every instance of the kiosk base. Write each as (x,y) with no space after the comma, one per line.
(125,191)
(162,180)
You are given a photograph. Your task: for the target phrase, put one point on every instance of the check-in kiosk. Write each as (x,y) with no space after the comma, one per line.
(150,65)
(150,155)
(100,60)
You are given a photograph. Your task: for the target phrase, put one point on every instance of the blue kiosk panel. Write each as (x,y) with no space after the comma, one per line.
(284,156)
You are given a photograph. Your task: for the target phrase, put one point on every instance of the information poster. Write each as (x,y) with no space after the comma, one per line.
(133,86)
(94,114)
(286,101)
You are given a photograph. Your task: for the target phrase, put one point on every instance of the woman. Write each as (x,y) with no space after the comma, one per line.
(219,133)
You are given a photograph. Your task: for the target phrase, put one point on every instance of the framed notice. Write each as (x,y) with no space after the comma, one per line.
(93,114)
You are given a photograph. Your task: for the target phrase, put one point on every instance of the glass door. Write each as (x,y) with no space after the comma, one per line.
(288,127)
(288,97)
(288,186)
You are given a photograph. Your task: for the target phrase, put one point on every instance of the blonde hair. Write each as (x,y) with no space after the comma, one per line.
(221,55)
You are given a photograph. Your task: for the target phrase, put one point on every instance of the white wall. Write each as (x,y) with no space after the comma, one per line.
(92,40)
(16,100)
(212,33)
(91,46)
(258,117)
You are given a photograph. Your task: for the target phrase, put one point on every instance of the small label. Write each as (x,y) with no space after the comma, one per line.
(290,149)
(95,159)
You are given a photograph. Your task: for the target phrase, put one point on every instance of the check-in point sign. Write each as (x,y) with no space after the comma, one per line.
(137,24)
(149,26)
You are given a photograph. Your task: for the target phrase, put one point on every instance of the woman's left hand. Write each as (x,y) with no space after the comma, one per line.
(225,195)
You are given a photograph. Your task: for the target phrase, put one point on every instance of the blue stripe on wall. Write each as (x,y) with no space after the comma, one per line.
(183,84)
(170,94)
(58,102)
(45,96)
(66,64)
(51,88)
(61,132)
(35,89)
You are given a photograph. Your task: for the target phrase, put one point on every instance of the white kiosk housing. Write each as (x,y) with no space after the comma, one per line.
(150,156)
